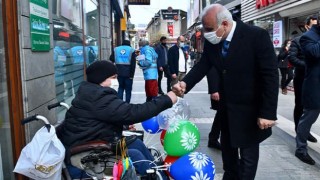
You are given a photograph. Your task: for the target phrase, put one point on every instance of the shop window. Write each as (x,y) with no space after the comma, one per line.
(6,156)
(265,23)
(75,44)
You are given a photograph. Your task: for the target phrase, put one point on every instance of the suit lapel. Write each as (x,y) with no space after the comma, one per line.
(237,39)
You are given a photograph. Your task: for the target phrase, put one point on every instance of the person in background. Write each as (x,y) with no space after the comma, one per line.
(177,60)
(310,45)
(245,66)
(297,59)
(192,57)
(125,59)
(285,67)
(147,60)
(98,114)
(162,63)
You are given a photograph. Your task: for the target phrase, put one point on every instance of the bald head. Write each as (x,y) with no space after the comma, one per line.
(217,18)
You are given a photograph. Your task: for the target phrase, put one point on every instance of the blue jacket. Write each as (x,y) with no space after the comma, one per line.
(149,65)
(162,52)
(124,58)
(310,45)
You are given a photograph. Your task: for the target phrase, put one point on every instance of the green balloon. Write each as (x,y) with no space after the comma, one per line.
(181,138)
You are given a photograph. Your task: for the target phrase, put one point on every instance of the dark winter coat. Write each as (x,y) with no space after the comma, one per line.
(310,45)
(162,52)
(297,58)
(283,58)
(173,59)
(98,114)
(248,82)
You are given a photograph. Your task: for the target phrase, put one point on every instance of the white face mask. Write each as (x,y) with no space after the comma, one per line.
(181,44)
(212,37)
(114,84)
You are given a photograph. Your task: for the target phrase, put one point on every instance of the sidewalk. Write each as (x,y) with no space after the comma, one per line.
(277,160)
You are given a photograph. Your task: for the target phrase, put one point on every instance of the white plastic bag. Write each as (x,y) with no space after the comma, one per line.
(43,157)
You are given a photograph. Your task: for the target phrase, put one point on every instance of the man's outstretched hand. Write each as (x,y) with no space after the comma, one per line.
(180,88)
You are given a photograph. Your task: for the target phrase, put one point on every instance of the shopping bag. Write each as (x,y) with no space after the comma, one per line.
(43,157)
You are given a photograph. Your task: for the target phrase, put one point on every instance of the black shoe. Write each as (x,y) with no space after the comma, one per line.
(305,158)
(214,144)
(312,138)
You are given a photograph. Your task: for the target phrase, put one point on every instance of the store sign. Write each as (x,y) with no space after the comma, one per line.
(170,29)
(264,3)
(139,2)
(277,34)
(170,14)
(39,25)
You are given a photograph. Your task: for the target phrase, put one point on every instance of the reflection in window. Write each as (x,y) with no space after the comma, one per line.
(73,50)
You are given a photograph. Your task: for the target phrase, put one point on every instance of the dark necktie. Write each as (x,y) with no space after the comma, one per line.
(225,47)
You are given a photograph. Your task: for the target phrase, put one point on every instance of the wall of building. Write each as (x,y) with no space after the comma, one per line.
(37,68)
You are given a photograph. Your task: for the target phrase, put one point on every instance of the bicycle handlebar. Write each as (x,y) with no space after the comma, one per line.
(29,119)
(51,106)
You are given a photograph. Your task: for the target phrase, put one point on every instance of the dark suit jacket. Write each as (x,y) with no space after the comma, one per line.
(248,82)
(310,45)
(173,60)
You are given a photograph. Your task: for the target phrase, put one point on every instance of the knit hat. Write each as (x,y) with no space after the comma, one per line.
(99,71)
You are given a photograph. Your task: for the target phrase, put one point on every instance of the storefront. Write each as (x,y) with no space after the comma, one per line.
(45,48)
(291,15)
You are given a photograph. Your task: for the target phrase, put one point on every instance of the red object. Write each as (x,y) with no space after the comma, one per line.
(64,34)
(170,160)
(163,133)
(264,3)
(170,29)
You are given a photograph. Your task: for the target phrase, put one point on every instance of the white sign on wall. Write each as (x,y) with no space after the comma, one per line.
(277,34)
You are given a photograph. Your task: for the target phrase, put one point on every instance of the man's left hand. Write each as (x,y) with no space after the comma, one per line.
(265,123)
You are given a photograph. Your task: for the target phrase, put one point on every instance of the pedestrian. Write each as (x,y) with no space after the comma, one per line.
(310,45)
(98,114)
(147,60)
(297,59)
(125,59)
(213,89)
(192,57)
(177,60)
(162,64)
(245,66)
(286,69)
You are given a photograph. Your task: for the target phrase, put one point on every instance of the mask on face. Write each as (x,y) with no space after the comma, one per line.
(212,37)
(181,44)
(114,84)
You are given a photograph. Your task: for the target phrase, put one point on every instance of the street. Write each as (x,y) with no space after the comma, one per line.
(277,160)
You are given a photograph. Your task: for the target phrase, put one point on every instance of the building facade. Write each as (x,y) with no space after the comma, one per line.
(45,47)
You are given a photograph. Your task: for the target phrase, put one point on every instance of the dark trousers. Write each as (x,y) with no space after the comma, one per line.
(166,73)
(216,125)
(125,84)
(286,76)
(298,107)
(235,167)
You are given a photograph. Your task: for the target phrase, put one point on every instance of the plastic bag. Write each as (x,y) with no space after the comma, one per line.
(43,157)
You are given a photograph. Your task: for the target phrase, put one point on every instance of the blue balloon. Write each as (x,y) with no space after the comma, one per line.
(195,165)
(151,125)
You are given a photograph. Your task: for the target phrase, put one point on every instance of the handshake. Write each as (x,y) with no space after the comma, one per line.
(177,90)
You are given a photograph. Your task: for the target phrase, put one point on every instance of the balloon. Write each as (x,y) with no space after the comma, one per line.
(162,136)
(182,108)
(170,160)
(164,117)
(195,165)
(181,138)
(151,125)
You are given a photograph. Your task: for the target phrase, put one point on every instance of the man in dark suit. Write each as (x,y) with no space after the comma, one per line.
(297,59)
(162,64)
(177,61)
(310,45)
(245,65)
